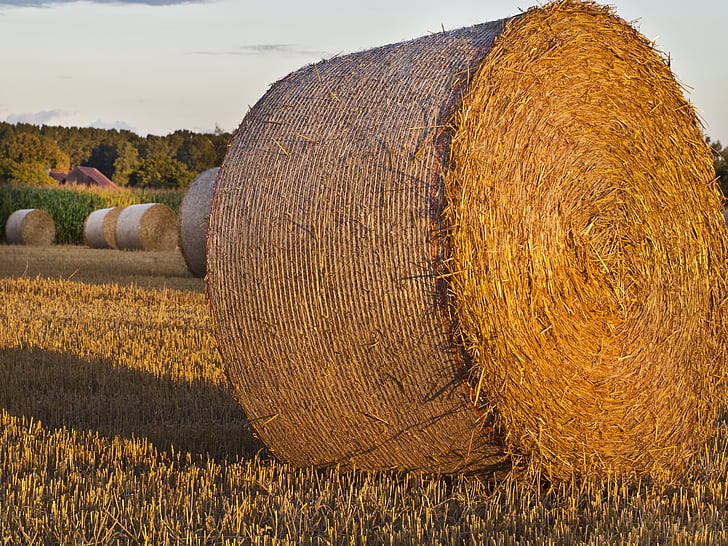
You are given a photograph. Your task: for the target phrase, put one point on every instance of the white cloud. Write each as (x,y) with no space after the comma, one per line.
(268,49)
(118,124)
(36,118)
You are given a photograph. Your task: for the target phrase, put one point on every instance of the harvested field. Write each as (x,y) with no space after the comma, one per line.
(117,426)
(99,266)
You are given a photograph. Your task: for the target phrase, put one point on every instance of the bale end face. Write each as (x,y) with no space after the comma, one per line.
(588,248)
(99,229)
(32,227)
(149,226)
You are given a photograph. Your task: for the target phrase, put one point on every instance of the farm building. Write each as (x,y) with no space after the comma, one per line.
(58,176)
(88,176)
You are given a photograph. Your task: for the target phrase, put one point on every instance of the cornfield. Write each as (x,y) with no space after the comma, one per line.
(70,207)
(117,425)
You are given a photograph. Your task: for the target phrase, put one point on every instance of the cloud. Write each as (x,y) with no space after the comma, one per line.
(268,49)
(118,124)
(48,3)
(264,49)
(65,119)
(36,118)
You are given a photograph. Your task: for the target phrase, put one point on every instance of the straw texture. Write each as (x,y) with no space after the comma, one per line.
(99,229)
(32,227)
(588,248)
(194,220)
(435,253)
(149,226)
(321,267)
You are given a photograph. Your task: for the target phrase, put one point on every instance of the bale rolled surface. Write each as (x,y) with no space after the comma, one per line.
(499,239)
(33,227)
(149,226)
(99,229)
(194,220)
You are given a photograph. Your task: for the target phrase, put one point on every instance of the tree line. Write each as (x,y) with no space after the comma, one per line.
(720,162)
(28,152)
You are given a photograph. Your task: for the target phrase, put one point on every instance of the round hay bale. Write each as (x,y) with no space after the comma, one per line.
(498,239)
(149,226)
(194,220)
(99,229)
(32,227)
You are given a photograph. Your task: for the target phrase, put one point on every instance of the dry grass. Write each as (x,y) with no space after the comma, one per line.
(117,426)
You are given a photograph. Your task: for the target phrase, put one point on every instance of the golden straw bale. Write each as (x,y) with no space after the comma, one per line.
(502,239)
(32,227)
(194,220)
(99,229)
(148,226)
(588,247)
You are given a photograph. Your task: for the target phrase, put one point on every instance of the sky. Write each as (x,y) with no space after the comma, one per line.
(156,66)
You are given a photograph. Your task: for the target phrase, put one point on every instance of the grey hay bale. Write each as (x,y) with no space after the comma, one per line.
(32,227)
(99,229)
(326,304)
(194,220)
(149,226)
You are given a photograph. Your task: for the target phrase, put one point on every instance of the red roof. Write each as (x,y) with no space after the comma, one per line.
(90,177)
(58,176)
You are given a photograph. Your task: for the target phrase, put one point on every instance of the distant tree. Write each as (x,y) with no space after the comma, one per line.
(220,141)
(160,171)
(127,159)
(720,162)
(156,145)
(7,133)
(27,158)
(116,153)
(27,147)
(197,152)
(28,172)
(102,158)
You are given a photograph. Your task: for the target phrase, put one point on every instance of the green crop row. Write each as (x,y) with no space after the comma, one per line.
(70,207)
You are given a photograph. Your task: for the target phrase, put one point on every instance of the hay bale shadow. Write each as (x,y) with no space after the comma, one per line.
(62,390)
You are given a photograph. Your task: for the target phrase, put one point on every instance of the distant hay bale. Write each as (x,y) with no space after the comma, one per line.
(194,220)
(32,227)
(498,239)
(99,229)
(149,226)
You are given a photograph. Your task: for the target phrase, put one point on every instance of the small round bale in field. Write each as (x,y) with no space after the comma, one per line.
(501,239)
(32,227)
(194,220)
(99,229)
(149,226)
